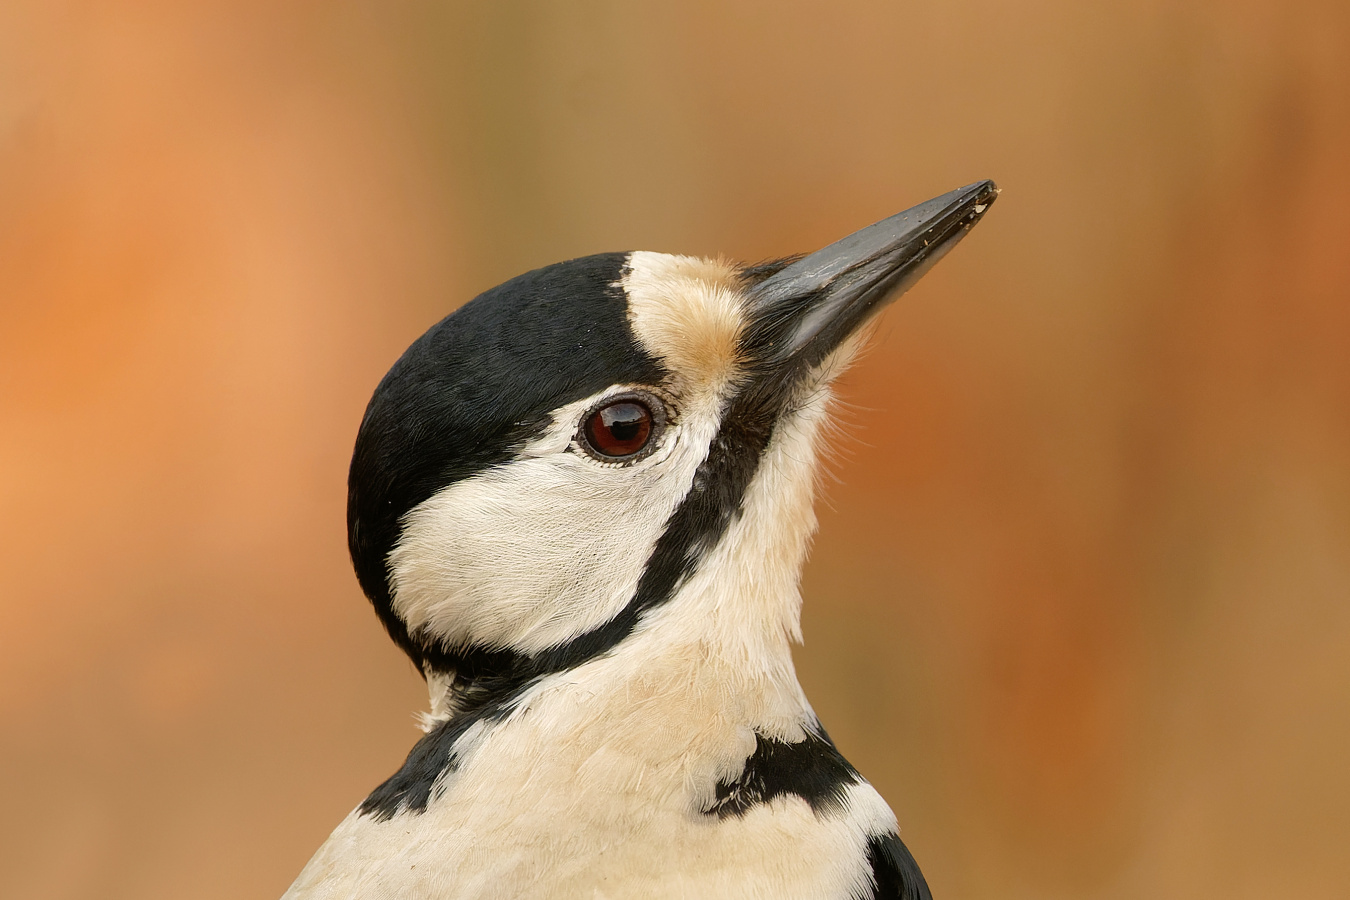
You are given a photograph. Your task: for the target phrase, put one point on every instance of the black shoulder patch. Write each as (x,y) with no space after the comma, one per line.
(811,769)
(409,789)
(433,756)
(472,389)
(895,874)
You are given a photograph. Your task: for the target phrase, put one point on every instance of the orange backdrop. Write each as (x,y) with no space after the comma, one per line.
(1080,604)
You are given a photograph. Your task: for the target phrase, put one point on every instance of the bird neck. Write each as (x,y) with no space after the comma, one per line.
(721,646)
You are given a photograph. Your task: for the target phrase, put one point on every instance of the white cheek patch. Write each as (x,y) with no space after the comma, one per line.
(533,553)
(530,554)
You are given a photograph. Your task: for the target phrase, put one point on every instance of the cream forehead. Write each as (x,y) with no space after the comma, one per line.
(687,312)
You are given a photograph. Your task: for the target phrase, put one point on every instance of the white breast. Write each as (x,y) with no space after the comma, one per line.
(587,791)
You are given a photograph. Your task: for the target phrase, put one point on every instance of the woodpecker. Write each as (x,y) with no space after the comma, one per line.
(581,504)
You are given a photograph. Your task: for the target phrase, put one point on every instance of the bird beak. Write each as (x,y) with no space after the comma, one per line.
(804,311)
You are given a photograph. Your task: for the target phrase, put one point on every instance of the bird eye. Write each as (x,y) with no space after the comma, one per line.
(622,428)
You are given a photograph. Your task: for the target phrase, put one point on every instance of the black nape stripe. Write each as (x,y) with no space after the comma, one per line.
(895,874)
(811,769)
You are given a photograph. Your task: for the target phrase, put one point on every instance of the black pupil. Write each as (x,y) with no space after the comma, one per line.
(620,429)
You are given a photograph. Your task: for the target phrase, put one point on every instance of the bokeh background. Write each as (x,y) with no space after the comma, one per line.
(1080,604)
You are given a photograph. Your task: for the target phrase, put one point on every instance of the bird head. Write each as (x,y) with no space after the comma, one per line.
(559,462)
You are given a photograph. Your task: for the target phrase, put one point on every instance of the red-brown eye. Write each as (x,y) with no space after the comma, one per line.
(621,429)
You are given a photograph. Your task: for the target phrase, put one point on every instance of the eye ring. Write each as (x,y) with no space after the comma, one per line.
(622,428)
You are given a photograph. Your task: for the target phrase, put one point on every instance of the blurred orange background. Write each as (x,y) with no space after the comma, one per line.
(1080,603)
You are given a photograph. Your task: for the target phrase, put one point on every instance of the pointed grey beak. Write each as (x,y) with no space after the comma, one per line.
(805,310)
